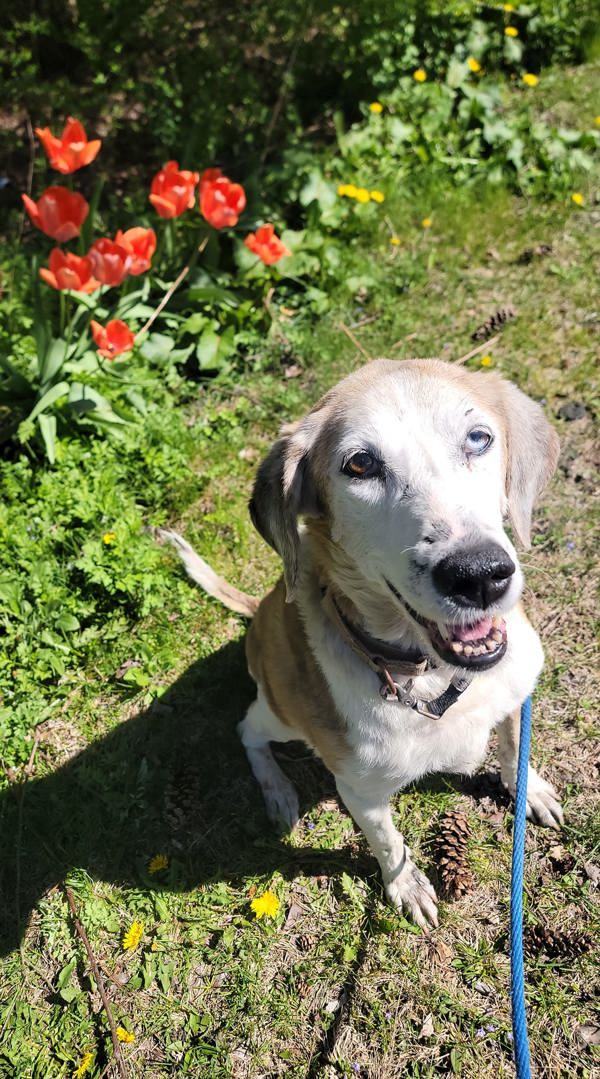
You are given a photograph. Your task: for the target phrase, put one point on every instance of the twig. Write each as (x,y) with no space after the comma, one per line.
(365,321)
(167,296)
(403,340)
(99,982)
(354,340)
(480,348)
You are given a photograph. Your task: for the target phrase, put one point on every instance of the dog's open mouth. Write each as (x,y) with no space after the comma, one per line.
(478,645)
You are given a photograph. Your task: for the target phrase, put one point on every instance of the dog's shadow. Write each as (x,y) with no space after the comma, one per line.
(171,780)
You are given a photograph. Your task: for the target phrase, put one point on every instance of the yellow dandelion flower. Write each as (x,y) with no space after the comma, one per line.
(508,7)
(125,1035)
(376,107)
(158,863)
(377,196)
(133,936)
(578,198)
(511,31)
(530,80)
(361,194)
(420,75)
(486,361)
(426,223)
(265,905)
(84,1065)
(109,538)
(347,190)
(597,121)
(474,64)
(395,241)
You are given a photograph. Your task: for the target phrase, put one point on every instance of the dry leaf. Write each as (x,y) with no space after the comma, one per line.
(293,371)
(426,1030)
(588,1033)
(294,913)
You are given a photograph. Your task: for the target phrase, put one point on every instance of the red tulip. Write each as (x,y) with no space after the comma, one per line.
(266,245)
(208,177)
(113,339)
(69,271)
(140,245)
(72,150)
(222,202)
(110,261)
(59,213)
(172,190)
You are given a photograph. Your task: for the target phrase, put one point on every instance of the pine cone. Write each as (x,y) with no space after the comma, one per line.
(453,839)
(555,943)
(530,253)
(492,324)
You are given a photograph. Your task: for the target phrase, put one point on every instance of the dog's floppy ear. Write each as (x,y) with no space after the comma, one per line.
(283,490)
(532,454)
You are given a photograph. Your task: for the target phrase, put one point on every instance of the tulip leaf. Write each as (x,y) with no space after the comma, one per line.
(212,294)
(53,394)
(55,356)
(47,426)
(157,347)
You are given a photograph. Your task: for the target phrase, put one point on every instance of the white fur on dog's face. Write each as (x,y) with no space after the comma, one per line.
(433,496)
(437,490)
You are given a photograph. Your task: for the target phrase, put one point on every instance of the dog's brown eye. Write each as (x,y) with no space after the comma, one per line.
(362,465)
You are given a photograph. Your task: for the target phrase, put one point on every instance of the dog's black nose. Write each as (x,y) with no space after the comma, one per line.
(474,578)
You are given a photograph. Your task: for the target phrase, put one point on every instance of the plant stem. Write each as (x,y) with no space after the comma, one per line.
(167,296)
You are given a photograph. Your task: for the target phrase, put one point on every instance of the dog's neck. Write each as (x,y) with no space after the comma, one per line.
(361,601)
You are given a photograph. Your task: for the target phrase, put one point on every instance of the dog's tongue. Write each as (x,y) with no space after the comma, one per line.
(472,633)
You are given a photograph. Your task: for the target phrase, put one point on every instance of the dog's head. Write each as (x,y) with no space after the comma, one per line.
(412,469)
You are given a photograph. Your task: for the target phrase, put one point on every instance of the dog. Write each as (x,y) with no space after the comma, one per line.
(395,641)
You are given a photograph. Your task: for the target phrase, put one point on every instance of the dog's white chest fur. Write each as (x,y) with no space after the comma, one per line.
(392,745)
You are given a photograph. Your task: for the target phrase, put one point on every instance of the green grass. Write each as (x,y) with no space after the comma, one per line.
(127,719)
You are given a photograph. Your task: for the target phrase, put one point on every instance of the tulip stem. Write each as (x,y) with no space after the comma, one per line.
(62,308)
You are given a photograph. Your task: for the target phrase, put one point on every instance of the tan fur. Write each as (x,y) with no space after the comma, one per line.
(280,660)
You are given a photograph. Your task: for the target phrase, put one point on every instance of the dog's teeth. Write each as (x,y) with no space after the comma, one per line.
(496,636)
(490,646)
(456,646)
(479,650)
(496,621)
(468,650)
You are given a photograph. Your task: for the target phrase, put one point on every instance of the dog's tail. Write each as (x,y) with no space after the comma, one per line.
(202,574)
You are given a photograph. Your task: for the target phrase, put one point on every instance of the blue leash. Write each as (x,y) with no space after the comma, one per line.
(517,974)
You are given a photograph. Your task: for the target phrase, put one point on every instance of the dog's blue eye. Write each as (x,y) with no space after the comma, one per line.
(362,465)
(478,440)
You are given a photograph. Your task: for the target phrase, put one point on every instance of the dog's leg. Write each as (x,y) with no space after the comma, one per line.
(259,728)
(543,804)
(405,885)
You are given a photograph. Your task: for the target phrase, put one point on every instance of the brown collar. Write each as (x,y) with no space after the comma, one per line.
(387,659)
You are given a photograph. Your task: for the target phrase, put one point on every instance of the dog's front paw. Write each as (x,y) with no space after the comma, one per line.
(543,803)
(411,892)
(281,802)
